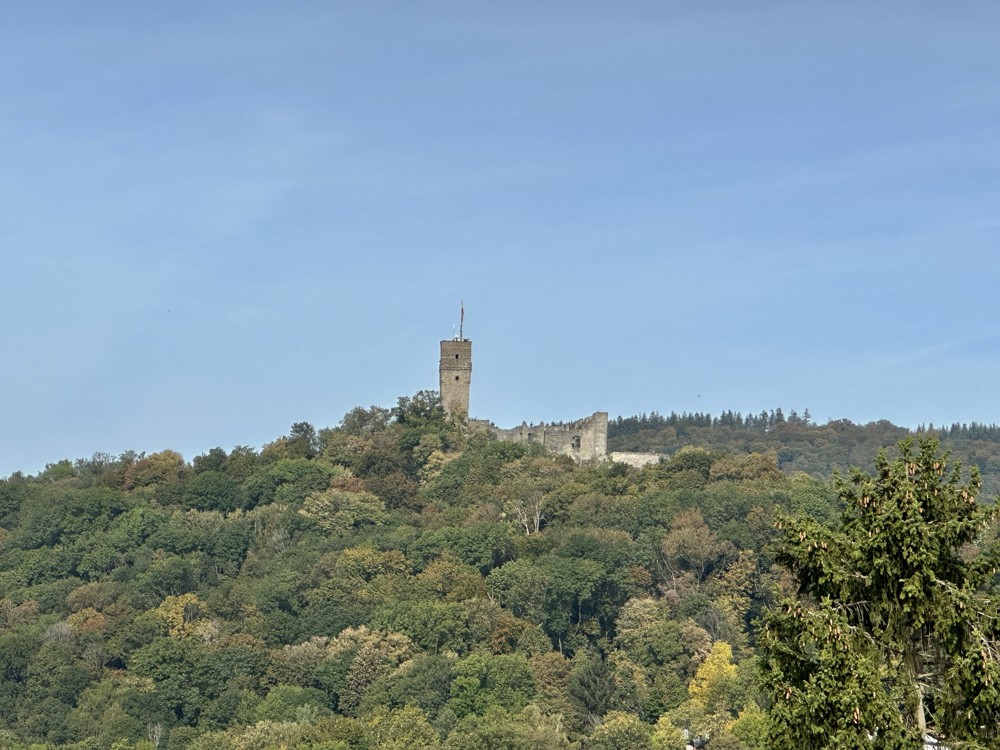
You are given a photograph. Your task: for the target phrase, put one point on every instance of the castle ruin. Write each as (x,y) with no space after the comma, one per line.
(583,440)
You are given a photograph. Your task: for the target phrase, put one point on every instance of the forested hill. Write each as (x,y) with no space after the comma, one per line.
(393,582)
(399,582)
(801,445)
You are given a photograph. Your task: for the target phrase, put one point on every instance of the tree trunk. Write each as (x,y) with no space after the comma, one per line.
(914,671)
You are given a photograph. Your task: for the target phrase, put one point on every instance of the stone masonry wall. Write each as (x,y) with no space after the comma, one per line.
(638,460)
(583,440)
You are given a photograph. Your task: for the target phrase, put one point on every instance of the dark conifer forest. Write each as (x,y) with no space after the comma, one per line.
(399,581)
(800,445)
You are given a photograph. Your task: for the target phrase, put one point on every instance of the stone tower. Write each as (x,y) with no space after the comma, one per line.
(456,374)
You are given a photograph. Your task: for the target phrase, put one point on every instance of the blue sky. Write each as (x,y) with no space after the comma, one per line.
(217,219)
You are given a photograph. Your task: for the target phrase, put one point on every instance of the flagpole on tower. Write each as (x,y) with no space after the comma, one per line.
(461,322)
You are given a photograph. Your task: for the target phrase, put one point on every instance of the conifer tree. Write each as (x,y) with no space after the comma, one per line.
(894,633)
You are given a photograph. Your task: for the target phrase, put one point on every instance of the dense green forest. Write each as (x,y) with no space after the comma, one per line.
(401,582)
(799,444)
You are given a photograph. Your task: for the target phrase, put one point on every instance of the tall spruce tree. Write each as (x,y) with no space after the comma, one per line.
(894,633)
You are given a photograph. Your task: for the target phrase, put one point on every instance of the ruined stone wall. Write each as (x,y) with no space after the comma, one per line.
(583,440)
(638,460)
(455,373)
